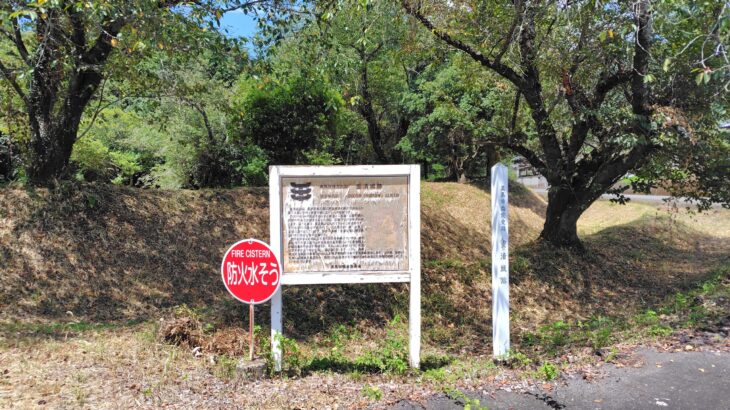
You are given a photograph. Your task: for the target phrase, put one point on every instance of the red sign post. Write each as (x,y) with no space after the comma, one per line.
(251,272)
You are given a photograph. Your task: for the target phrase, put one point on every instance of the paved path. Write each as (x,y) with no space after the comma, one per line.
(686,380)
(651,199)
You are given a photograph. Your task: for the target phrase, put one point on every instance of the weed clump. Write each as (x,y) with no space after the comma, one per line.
(183,331)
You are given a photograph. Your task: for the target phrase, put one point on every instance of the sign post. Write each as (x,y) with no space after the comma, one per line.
(250,332)
(251,273)
(347,224)
(500,262)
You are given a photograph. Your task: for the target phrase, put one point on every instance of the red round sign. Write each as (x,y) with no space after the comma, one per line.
(251,271)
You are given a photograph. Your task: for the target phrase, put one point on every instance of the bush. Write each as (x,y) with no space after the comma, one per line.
(95,161)
(291,120)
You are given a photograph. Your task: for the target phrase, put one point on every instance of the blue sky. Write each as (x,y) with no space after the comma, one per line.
(238,24)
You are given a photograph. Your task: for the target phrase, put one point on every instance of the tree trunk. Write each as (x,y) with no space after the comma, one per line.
(368,113)
(6,158)
(50,149)
(54,115)
(458,171)
(492,158)
(564,208)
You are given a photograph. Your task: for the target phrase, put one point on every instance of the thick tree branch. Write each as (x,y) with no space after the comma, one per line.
(532,91)
(589,122)
(607,84)
(99,52)
(528,154)
(368,112)
(639,88)
(611,171)
(8,74)
(201,110)
(528,83)
(17,39)
(78,35)
(519,7)
(501,69)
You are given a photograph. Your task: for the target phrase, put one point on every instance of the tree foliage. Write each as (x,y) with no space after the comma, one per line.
(587,73)
(456,116)
(61,51)
(292,121)
(154,94)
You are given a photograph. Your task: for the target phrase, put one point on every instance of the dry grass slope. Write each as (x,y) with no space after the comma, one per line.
(109,255)
(105,253)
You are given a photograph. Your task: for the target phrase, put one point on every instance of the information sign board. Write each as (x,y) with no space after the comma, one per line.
(347,224)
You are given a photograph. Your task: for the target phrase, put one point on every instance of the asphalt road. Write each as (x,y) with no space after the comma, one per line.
(686,380)
(650,199)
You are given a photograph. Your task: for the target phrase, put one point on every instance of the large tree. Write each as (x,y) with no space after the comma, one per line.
(364,45)
(584,72)
(61,51)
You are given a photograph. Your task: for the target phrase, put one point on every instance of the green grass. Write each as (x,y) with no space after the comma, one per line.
(596,332)
(681,310)
(372,392)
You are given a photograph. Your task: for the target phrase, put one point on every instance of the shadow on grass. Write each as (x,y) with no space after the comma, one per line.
(14,333)
(361,365)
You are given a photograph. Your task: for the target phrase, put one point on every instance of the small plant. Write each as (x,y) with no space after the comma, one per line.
(650,317)
(372,392)
(680,302)
(555,336)
(81,395)
(436,375)
(698,315)
(208,328)
(519,359)
(148,333)
(225,367)
(469,403)
(548,371)
(473,404)
(600,338)
(91,201)
(186,311)
(520,264)
(336,340)
(392,356)
(660,330)
(293,360)
(611,356)
(709,286)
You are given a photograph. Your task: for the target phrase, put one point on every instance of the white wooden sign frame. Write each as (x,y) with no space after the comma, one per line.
(500,261)
(412,275)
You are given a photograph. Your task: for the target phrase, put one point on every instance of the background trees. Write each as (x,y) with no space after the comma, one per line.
(586,73)
(152,94)
(294,121)
(60,55)
(456,116)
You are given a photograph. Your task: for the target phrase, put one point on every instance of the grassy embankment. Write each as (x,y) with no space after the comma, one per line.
(88,273)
